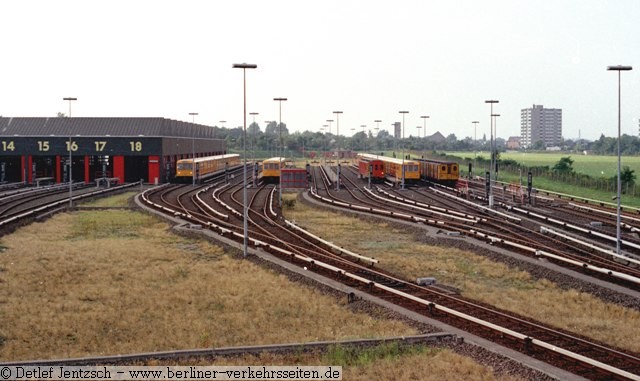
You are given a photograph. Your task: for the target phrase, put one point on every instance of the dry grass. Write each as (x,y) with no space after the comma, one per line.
(118,282)
(478,278)
(377,364)
(119,200)
(109,282)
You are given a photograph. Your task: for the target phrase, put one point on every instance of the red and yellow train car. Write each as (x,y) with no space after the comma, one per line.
(271,169)
(204,166)
(392,169)
(368,163)
(441,172)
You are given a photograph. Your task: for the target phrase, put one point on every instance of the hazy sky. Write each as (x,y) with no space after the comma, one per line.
(369,59)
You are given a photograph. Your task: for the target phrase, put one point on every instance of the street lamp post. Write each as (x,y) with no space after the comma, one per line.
(280,100)
(353,135)
(214,129)
(323,129)
(491,102)
(618,68)
(495,143)
(364,144)
(475,142)
(253,142)
(329,130)
(244,67)
(377,122)
(401,142)
(338,141)
(193,148)
(475,138)
(269,147)
(424,140)
(330,121)
(70,99)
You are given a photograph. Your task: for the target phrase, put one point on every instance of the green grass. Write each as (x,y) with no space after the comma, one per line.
(115,201)
(109,224)
(352,356)
(575,190)
(592,165)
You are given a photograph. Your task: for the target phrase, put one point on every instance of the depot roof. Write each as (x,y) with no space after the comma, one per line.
(63,126)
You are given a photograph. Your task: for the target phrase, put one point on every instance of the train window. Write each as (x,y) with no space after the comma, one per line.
(184,166)
(444,167)
(454,168)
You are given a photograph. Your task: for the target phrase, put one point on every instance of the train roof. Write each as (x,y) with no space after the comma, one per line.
(387,159)
(207,158)
(368,157)
(274,160)
(436,161)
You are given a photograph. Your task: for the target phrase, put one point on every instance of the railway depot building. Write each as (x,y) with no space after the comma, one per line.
(126,149)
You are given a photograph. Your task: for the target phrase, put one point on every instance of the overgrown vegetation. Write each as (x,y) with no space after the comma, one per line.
(562,172)
(476,276)
(124,283)
(105,294)
(375,364)
(352,356)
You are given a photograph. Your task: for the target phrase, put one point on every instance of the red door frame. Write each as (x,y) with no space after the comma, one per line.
(154,169)
(118,168)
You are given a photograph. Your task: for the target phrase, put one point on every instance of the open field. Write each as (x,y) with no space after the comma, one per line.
(115,281)
(119,281)
(575,190)
(477,277)
(592,165)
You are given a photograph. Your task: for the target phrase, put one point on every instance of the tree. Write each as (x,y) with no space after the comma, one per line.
(627,177)
(271,129)
(539,145)
(564,165)
(253,129)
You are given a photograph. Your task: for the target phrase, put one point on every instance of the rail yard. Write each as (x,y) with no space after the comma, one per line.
(218,207)
(567,236)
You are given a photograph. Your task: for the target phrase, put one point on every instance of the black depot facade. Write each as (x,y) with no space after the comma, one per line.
(129,149)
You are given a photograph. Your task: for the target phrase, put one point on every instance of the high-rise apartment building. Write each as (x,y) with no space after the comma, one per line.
(397,130)
(540,124)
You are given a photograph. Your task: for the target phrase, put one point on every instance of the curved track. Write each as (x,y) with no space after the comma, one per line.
(274,234)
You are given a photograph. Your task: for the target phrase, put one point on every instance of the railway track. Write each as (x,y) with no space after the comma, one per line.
(563,349)
(212,353)
(498,228)
(29,203)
